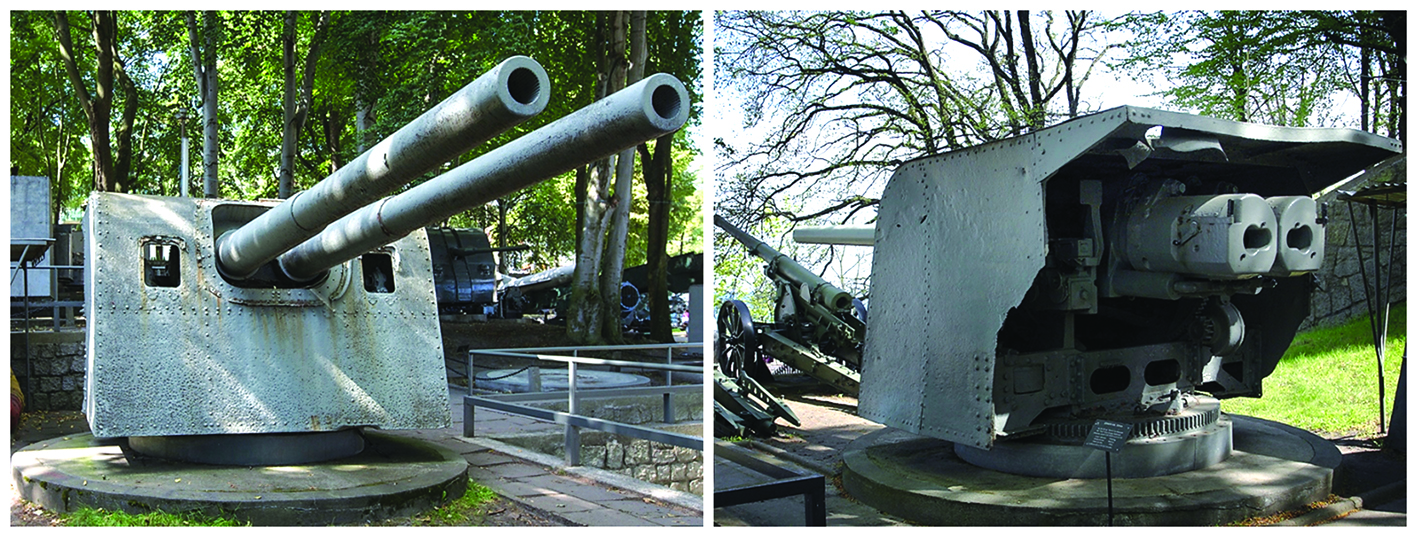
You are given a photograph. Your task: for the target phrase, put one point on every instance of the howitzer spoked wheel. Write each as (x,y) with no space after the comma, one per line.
(737,339)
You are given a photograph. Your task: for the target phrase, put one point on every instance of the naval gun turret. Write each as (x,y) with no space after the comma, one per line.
(216,325)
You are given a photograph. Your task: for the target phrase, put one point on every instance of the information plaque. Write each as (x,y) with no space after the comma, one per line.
(1108,436)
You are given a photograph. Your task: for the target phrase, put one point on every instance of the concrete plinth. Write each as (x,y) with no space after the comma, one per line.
(394,476)
(1274,467)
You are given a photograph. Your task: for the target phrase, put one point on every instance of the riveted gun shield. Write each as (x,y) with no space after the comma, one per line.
(318,313)
(1116,265)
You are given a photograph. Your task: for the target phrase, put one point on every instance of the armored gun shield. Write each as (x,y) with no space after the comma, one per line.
(317,314)
(1108,264)
(176,349)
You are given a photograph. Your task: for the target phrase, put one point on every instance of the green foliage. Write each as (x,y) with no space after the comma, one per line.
(89,516)
(46,122)
(464,511)
(1327,381)
(399,63)
(1275,67)
(739,275)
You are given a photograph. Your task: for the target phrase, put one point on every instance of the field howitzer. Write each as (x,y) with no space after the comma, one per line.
(216,319)
(817,328)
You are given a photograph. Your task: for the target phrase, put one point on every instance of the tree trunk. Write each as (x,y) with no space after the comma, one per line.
(96,106)
(204,66)
(582,189)
(1364,73)
(658,171)
(501,234)
(123,161)
(364,117)
(1035,108)
(297,100)
(584,311)
(613,262)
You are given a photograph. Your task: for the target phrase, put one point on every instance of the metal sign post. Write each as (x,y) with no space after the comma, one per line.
(1108,436)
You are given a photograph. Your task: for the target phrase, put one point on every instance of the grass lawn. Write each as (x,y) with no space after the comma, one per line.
(1328,383)
(469,510)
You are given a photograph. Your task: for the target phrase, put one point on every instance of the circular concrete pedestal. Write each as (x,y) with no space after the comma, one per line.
(1274,467)
(393,476)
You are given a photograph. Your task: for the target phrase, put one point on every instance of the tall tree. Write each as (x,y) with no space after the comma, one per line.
(48,126)
(387,66)
(842,98)
(613,256)
(674,52)
(586,315)
(97,105)
(204,66)
(1276,67)
(298,95)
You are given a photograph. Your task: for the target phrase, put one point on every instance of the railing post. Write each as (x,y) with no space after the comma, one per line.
(669,382)
(533,379)
(468,419)
(573,434)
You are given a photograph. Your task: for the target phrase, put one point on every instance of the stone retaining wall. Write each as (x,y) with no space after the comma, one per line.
(58,364)
(1339,295)
(674,467)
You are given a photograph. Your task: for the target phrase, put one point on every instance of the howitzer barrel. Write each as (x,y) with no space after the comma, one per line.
(509,94)
(785,267)
(653,107)
(845,235)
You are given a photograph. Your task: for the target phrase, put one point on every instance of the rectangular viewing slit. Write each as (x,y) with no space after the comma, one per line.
(378,269)
(162,262)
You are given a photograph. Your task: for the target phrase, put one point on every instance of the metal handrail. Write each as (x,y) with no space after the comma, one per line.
(593,361)
(642,346)
(571,418)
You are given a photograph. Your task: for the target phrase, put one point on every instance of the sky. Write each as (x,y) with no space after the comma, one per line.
(724,118)
(1105,89)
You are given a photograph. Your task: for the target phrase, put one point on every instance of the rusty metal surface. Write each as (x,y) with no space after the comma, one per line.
(206,357)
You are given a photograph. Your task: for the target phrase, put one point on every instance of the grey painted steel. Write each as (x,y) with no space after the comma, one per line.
(1227,236)
(252,449)
(829,295)
(570,420)
(552,277)
(651,108)
(963,236)
(847,235)
(510,93)
(464,269)
(207,357)
(912,377)
(1301,240)
(645,346)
